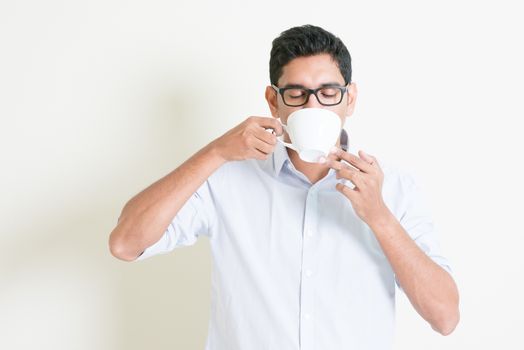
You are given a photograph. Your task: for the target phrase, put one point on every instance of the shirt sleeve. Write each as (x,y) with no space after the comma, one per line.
(416,219)
(195,218)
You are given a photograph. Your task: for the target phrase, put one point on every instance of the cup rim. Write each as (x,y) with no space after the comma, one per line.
(320,110)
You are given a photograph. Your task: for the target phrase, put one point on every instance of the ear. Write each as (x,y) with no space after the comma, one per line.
(352,98)
(271,98)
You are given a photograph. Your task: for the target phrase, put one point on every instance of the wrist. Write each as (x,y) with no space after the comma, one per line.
(383,221)
(213,151)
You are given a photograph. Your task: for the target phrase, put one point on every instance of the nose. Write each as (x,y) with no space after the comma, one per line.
(312,102)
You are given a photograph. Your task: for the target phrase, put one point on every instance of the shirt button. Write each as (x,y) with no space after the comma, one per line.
(307,316)
(309,273)
(309,233)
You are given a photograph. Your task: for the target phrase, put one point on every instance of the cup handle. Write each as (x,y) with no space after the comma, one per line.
(289,145)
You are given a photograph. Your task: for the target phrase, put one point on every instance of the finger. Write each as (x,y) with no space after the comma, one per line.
(350,174)
(339,164)
(346,191)
(265,136)
(259,155)
(262,146)
(369,158)
(269,122)
(333,157)
(258,149)
(327,159)
(353,160)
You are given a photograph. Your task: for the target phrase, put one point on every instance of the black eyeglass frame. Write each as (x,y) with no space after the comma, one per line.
(310,92)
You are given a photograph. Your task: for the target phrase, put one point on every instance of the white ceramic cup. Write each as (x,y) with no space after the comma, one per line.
(313,132)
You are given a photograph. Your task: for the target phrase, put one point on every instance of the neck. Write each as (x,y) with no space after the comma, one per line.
(313,171)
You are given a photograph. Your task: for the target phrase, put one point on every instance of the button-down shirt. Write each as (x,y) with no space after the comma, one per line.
(294,267)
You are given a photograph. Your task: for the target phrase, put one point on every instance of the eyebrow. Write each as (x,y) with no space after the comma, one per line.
(300,86)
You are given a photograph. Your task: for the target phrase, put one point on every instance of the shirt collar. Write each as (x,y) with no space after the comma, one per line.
(280,156)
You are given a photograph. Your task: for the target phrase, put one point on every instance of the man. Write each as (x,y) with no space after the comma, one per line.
(301,260)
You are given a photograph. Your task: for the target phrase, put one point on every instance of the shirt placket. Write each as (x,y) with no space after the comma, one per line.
(307,305)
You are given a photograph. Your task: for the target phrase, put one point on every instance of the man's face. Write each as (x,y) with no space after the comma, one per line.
(311,72)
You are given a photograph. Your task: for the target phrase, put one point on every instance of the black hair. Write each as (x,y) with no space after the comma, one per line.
(307,40)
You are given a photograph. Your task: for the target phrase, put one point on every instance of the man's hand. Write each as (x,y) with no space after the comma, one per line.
(367,176)
(428,286)
(249,139)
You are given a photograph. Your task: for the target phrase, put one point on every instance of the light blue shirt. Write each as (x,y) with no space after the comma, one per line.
(293,266)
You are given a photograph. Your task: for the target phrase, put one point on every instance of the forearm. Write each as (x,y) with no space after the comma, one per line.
(146,216)
(430,288)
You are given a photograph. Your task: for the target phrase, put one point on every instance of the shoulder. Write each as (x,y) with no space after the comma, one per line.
(400,184)
(397,175)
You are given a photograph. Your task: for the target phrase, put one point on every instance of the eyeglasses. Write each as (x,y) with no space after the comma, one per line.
(294,96)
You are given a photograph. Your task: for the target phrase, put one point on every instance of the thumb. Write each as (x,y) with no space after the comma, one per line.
(279,127)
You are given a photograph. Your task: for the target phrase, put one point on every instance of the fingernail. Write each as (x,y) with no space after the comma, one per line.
(322,160)
(334,150)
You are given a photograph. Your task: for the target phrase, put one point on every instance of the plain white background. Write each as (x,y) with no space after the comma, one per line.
(98,99)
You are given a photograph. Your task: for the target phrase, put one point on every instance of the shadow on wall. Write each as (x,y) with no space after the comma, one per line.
(164,300)
(64,290)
